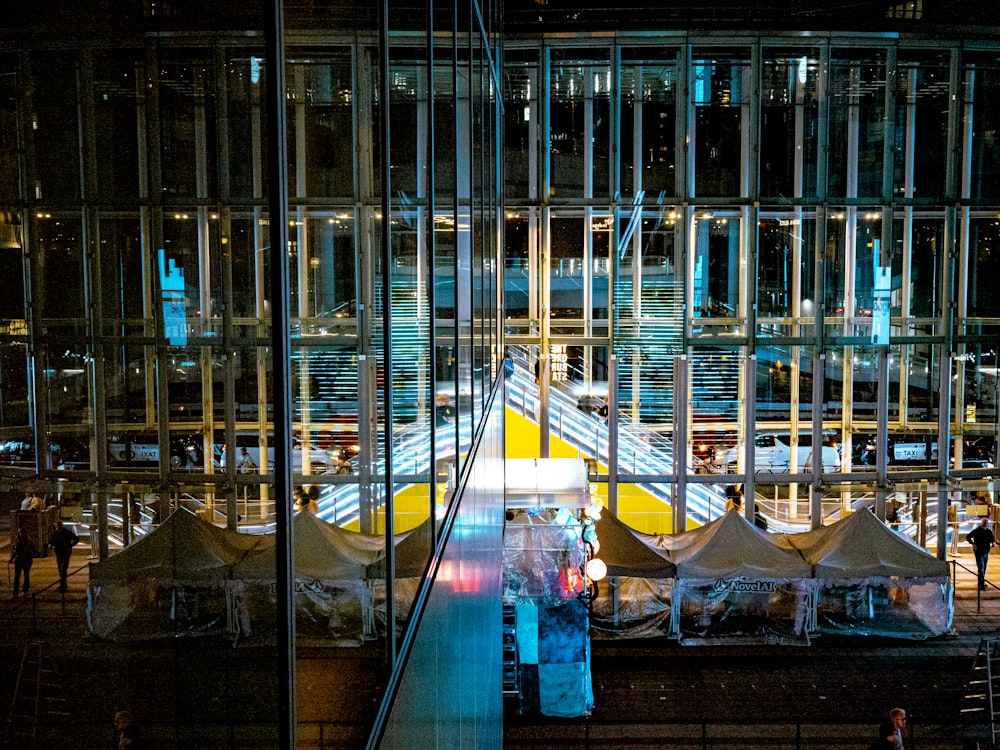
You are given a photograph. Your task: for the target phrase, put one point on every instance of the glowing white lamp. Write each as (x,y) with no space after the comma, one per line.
(596,569)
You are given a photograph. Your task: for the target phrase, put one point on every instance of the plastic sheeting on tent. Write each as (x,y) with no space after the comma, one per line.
(334,599)
(188,577)
(634,600)
(872,581)
(169,583)
(735,585)
(543,580)
(413,550)
(543,558)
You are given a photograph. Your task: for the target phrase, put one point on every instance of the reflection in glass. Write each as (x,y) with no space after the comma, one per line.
(721,93)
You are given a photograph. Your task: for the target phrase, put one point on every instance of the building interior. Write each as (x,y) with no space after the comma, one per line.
(684,244)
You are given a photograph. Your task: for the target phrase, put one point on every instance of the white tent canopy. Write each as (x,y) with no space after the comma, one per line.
(873,581)
(730,546)
(861,546)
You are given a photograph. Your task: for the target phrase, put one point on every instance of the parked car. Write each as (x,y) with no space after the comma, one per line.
(773,454)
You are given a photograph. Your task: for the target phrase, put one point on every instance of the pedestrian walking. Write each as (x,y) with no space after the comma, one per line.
(953,525)
(62,542)
(889,735)
(22,554)
(982,541)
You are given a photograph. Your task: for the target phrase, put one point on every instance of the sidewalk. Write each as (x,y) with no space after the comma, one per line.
(648,694)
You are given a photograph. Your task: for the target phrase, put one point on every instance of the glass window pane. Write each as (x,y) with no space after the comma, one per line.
(187,126)
(647,136)
(982,91)
(117,76)
(123,272)
(61,268)
(721,93)
(10,186)
(857,125)
(984,267)
(788,123)
(55,129)
(246,167)
(716,265)
(579,126)
(922,103)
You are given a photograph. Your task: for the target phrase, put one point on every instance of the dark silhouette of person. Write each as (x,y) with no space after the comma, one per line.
(982,541)
(62,541)
(22,554)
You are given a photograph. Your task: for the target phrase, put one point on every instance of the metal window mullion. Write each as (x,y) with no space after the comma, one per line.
(967,130)
(910,133)
(819,355)
(750,130)
(853,131)
(157,392)
(906,241)
(281,343)
(822,127)
(958,152)
(221,93)
(889,117)
(385,251)
(430,261)
(228,354)
(686,140)
(200,134)
(799,130)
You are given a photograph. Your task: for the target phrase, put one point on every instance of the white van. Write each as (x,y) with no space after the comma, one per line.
(773,454)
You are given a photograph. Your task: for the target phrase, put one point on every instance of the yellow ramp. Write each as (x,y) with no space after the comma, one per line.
(409,510)
(637,508)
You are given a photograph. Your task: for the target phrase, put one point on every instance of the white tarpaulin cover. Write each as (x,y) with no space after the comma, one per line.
(334,600)
(735,585)
(169,583)
(873,581)
(189,577)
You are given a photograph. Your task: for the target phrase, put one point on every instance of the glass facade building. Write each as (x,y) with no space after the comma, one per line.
(146,369)
(754,244)
(689,255)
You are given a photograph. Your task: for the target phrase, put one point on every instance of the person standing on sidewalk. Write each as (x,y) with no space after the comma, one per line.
(982,541)
(22,554)
(62,542)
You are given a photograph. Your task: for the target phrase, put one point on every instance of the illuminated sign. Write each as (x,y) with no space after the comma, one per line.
(880,300)
(174,309)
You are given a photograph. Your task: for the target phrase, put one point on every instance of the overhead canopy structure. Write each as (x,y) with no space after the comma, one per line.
(546,483)
(169,583)
(182,548)
(861,546)
(730,546)
(625,554)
